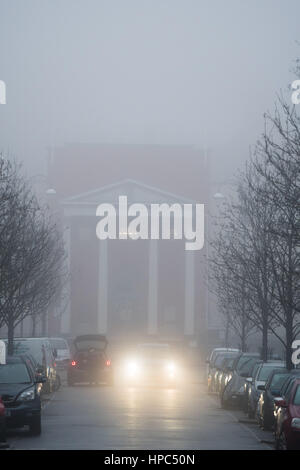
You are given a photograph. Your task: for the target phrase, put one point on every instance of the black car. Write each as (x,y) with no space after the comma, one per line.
(266,400)
(90,363)
(19,389)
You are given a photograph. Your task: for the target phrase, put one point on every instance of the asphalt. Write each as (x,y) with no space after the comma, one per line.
(149,417)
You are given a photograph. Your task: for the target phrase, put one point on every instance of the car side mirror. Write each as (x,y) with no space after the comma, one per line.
(40,379)
(261,387)
(279,401)
(244,374)
(249,379)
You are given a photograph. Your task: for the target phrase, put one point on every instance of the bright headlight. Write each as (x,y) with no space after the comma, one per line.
(27,395)
(132,368)
(171,367)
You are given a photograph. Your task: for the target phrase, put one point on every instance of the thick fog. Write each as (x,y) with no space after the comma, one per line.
(165,71)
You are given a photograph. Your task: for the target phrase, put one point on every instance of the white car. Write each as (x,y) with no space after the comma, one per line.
(61,348)
(152,363)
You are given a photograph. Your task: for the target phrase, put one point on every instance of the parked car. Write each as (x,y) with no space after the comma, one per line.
(61,352)
(234,391)
(218,368)
(227,362)
(19,392)
(258,381)
(41,350)
(287,425)
(2,422)
(90,363)
(248,383)
(265,408)
(211,362)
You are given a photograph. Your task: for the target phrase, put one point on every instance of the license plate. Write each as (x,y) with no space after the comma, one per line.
(7,412)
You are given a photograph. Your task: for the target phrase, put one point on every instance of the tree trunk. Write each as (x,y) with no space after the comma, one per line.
(33,330)
(289,341)
(10,336)
(264,350)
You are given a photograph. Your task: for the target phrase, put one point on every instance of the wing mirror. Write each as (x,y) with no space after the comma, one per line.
(279,401)
(40,379)
(249,380)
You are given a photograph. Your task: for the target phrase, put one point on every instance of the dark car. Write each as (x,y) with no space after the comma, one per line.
(20,395)
(248,390)
(2,422)
(266,400)
(287,425)
(41,351)
(90,363)
(258,381)
(234,392)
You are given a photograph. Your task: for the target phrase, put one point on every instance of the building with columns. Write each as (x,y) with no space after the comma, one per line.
(130,288)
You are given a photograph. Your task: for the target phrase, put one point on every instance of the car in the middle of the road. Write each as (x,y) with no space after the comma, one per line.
(152,363)
(90,363)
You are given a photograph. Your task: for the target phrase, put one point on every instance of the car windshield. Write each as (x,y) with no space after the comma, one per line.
(277,381)
(297,396)
(220,359)
(265,372)
(33,348)
(59,344)
(245,364)
(86,344)
(153,351)
(14,374)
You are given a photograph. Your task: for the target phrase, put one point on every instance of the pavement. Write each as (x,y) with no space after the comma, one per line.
(149,417)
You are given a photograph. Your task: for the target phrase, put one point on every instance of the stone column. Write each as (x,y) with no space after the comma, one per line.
(153,288)
(66,316)
(189,294)
(102,287)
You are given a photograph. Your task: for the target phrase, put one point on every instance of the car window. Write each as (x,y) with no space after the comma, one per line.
(245,366)
(14,374)
(265,372)
(277,382)
(59,344)
(297,396)
(289,389)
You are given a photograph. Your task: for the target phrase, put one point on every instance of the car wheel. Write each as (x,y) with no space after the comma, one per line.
(35,426)
(281,443)
(250,411)
(70,382)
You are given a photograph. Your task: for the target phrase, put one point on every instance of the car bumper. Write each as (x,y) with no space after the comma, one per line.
(22,414)
(83,375)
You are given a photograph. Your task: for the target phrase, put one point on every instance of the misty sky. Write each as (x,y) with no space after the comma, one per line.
(143,71)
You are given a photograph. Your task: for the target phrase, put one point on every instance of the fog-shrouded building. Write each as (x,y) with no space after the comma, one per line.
(130,288)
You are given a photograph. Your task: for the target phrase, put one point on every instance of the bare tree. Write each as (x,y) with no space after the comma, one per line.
(31,252)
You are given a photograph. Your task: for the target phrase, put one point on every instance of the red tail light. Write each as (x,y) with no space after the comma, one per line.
(73,363)
(108,362)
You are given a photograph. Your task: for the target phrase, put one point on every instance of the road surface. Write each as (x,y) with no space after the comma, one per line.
(120,417)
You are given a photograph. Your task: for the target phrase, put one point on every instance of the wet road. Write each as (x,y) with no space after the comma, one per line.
(120,417)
